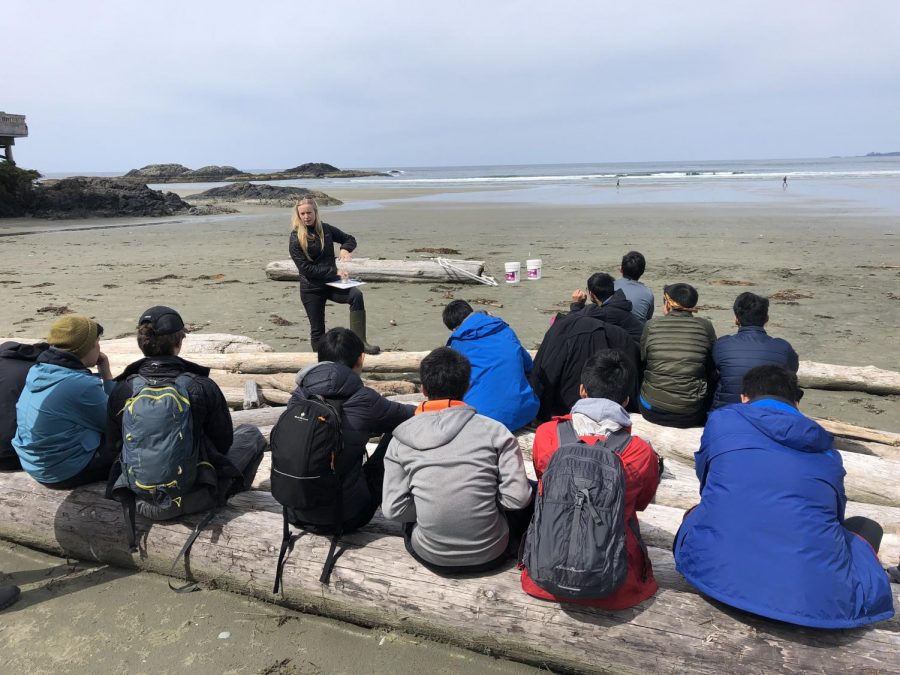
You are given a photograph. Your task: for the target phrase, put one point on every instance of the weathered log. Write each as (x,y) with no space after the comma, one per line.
(873,480)
(194,343)
(854,432)
(848,378)
(376,583)
(369,269)
(251,395)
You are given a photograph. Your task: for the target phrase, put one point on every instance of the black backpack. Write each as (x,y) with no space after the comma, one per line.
(305,443)
(575,546)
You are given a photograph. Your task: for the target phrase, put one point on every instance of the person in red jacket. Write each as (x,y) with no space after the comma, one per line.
(606,380)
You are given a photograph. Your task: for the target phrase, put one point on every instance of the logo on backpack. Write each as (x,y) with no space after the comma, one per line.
(575,546)
(159,456)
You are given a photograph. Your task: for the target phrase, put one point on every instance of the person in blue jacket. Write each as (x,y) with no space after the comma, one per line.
(734,355)
(61,412)
(769,535)
(500,365)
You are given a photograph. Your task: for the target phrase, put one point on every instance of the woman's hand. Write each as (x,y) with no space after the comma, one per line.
(103,367)
(345,255)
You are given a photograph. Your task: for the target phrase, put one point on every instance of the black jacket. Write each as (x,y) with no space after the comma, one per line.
(566,347)
(616,309)
(319,268)
(210,416)
(16,360)
(365,413)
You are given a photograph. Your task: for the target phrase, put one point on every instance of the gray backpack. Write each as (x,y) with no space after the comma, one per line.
(575,546)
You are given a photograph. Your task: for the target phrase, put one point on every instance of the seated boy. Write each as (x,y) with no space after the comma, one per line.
(734,355)
(500,365)
(61,413)
(675,349)
(607,304)
(16,359)
(769,535)
(606,381)
(633,266)
(364,413)
(226,459)
(456,479)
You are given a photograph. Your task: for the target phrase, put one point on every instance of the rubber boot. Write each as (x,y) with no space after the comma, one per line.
(358,326)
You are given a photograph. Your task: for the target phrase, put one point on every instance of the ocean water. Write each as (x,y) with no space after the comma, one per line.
(866,184)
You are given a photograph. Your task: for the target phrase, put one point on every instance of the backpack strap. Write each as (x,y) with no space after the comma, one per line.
(617,441)
(337,406)
(565,433)
(186,549)
(287,545)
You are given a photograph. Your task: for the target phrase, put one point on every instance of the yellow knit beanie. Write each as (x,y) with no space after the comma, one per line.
(74,333)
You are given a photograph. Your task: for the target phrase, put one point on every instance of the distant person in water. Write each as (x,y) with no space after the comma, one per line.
(784,183)
(312,249)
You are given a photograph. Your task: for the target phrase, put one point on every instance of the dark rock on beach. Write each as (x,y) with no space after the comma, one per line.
(90,197)
(266,195)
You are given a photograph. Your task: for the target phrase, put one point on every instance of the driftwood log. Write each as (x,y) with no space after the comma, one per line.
(376,583)
(194,343)
(389,270)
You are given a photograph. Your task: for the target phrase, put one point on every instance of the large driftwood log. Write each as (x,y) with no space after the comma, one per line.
(194,343)
(376,583)
(388,270)
(848,378)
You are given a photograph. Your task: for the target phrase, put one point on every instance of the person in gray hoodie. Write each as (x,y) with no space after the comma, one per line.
(456,479)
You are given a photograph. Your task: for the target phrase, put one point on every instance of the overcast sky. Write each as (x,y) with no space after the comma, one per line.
(116,85)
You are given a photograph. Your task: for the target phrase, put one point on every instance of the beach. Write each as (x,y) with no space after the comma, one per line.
(829,269)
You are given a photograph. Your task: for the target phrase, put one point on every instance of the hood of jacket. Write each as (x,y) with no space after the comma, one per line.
(476,326)
(52,367)
(329,380)
(618,301)
(785,425)
(598,417)
(22,352)
(433,429)
(163,367)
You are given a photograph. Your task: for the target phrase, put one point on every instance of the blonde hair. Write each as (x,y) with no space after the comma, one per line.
(300,228)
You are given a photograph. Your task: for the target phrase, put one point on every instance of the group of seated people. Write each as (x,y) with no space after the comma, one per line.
(768,536)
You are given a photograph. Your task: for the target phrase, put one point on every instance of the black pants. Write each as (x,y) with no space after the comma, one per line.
(866,528)
(314,300)
(96,470)
(517,521)
(668,419)
(10,463)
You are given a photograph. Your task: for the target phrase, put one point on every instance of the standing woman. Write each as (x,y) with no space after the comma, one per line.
(312,249)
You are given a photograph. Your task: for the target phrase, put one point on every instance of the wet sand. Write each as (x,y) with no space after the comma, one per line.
(78,617)
(835,296)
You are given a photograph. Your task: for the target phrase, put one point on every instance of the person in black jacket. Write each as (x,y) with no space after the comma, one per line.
(607,304)
(234,454)
(365,413)
(566,347)
(312,250)
(16,360)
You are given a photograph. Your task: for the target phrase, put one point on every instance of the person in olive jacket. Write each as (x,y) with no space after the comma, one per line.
(312,250)
(678,371)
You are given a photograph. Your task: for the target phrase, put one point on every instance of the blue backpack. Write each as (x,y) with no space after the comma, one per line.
(159,456)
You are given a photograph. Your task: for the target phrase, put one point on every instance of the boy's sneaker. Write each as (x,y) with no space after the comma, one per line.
(8,596)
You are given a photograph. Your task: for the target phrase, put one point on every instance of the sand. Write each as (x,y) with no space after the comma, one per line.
(78,617)
(836,297)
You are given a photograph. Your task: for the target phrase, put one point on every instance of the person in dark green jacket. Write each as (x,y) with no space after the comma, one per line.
(676,350)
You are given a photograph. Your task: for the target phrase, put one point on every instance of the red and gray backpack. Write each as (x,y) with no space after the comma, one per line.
(575,546)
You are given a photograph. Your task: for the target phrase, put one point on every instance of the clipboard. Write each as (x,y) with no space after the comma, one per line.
(344,285)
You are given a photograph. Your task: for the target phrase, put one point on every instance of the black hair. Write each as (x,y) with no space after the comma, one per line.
(152,344)
(341,345)
(601,285)
(771,382)
(751,309)
(445,373)
(608,374)
(684,294)
(455,313)
(633,265)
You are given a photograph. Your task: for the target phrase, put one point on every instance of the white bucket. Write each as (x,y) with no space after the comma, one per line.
(513,272)
(533,269)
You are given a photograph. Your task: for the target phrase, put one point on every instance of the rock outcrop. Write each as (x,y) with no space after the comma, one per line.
(91,197)
(178,173)
(266,195)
